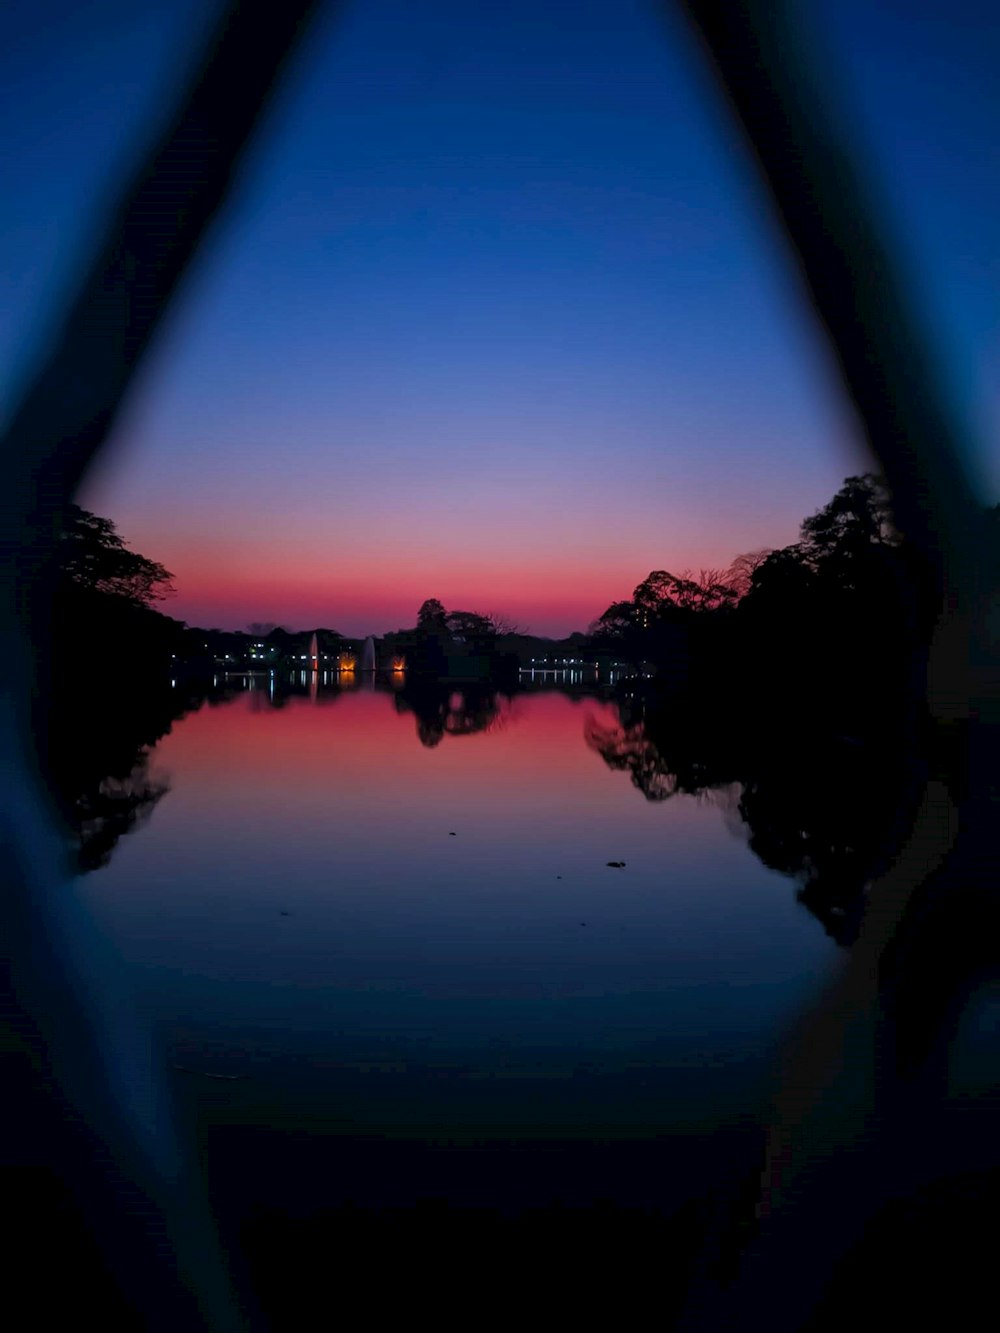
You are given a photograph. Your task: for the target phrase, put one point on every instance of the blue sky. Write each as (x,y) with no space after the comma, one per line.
(498,313)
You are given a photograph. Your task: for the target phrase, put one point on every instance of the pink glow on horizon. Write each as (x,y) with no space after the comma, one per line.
(549,554)
(547,610)
(542,592)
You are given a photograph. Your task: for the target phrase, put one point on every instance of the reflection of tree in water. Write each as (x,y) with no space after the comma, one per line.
(641,748)
(102,737)
(819,807)
(101,775)
(832,819)
(443,710)
(268,696)
(827,810)
(99,759)
(118,806)
(628,749)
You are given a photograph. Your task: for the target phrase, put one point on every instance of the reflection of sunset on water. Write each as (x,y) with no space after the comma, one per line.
(304,739)
(444,858)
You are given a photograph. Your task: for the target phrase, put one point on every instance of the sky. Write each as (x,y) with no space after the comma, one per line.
(497,313)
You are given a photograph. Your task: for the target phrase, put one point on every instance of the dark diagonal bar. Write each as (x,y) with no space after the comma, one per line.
(135,1183)
(863,1083)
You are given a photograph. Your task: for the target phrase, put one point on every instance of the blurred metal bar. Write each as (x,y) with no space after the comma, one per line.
(865,1068)
(827,205)
(139,1189)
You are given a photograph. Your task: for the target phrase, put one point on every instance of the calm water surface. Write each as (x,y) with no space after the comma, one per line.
(377,933)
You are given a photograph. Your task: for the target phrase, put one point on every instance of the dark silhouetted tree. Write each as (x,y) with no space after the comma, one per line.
(432,615)
(740,573)
(503,625)
(857,520)
(619,622)
(662,595)
(93,557)
(474,631)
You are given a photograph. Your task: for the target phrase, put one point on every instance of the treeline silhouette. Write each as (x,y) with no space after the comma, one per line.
(833,624)
(825,808)
(799,674)
(116,686)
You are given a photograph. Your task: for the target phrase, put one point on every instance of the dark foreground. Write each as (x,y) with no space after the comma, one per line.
(468,1235)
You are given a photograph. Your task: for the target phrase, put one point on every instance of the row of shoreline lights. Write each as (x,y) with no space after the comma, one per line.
(569,661)
(397,665)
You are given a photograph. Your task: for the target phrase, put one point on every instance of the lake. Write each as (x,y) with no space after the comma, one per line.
(379,918)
